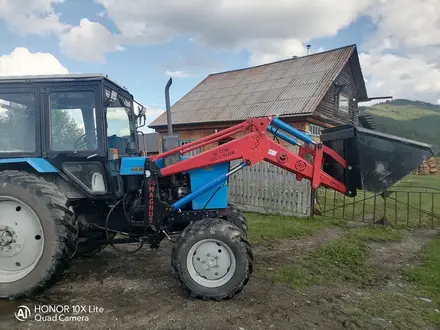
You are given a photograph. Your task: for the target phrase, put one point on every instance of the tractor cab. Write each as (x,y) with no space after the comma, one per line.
(78,125)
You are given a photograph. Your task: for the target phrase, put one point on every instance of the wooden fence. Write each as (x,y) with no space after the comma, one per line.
(265,188)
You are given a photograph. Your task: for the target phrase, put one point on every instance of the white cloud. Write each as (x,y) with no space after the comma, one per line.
(177,74)
(22,62)
(252,25)
(401,77)
(32,17)
(404,52)
(271,50)
(152,113)
(410,27)
(89,42)
(267,30)
(407,23)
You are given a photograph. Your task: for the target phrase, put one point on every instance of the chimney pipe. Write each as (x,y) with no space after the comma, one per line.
(308,49)
(167,103)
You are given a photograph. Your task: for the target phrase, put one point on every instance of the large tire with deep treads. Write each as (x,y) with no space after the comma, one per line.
(43,208)
(212,243)
(234,215)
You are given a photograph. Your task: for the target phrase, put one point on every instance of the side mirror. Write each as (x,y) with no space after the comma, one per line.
(140,115)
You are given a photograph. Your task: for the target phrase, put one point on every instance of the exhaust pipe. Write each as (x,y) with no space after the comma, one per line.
(167,104)
(170,141)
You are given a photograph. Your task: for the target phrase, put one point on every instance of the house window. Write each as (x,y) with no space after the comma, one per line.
(193,152)
(343,104)
(315,130)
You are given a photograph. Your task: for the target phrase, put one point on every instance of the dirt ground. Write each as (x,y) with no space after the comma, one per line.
(138,292)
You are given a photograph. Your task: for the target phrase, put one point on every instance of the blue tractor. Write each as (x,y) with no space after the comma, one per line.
(73,180)
(65,190)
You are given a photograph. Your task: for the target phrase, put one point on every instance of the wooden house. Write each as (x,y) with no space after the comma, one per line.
(309,92)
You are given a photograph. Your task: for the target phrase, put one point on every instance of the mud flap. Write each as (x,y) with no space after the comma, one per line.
(375,160)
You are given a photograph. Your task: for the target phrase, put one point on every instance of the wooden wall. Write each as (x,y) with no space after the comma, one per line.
(266,188)
(328,109)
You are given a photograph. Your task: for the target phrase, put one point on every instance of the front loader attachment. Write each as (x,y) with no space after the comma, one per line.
(375,161)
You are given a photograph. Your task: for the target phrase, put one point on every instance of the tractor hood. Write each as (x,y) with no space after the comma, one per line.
(375,160)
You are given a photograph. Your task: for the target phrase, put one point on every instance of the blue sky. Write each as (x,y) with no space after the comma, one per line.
(141,43)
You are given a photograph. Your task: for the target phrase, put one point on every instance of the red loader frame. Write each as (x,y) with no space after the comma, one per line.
(256,146)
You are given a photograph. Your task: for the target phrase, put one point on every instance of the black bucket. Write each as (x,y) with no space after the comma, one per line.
(375,161)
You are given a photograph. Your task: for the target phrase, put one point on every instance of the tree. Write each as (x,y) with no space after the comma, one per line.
(17,130)
(65,131)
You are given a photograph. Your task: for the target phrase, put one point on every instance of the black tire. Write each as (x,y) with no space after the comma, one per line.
(88,249)
(50,205)
(235,216)
(228,234)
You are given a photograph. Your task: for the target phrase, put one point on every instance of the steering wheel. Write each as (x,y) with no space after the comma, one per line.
(78,144)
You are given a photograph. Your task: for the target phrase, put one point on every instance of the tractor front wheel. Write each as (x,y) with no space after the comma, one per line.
(212,259)
(36,234)
(235,216)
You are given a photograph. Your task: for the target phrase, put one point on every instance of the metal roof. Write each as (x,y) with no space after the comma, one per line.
(293,87)
(59,77)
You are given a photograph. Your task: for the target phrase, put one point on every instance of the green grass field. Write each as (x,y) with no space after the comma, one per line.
(264,227)
(413,202)
(342,259)
(345,260)
(413,120)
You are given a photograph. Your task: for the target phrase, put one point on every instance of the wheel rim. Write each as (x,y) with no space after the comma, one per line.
(21,239)
(211,263)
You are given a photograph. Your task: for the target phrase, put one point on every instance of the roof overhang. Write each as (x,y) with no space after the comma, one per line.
(226,123)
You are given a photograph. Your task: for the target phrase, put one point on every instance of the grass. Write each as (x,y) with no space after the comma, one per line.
(426,275)
(343,259)
(420,192)
(376,234)
(398,310)
(269,227)
(340,260)
(404,309)
(402,113)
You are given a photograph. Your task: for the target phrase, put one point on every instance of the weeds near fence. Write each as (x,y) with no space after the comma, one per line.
(413,202)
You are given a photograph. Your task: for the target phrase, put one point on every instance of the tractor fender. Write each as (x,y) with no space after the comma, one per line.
(40,165)
(47,170)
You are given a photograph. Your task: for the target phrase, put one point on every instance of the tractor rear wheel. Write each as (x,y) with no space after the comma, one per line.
(36,234)
(212,259)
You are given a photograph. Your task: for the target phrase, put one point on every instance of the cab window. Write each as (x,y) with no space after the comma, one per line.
(119,123)
(17,122)
(73,121)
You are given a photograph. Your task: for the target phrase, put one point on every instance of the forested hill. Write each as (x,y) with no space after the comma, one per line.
(410,119)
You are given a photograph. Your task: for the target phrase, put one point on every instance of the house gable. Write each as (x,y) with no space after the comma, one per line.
(340,103)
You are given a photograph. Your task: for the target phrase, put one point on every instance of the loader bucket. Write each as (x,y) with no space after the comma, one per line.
(377,160)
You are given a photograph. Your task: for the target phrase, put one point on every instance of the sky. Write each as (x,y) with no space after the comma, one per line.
(141,43)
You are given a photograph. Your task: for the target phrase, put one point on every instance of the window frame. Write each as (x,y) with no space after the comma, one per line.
(317,131)
(73,87)
(191,153)
(345,112)
(49,122)
(108,85)
(19,89)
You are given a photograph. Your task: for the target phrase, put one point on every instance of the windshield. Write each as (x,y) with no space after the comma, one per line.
(119,123)
(17,122)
